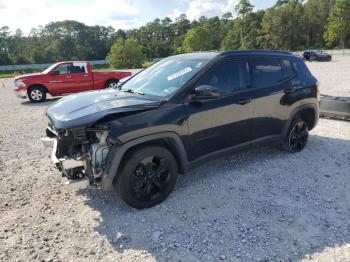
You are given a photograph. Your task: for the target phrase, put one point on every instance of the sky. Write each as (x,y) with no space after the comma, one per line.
(121,14)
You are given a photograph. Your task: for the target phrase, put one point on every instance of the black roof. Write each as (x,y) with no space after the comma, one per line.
(256,52)
(238,53)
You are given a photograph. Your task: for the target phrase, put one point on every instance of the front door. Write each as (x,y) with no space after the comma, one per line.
(70,78)
(224,122)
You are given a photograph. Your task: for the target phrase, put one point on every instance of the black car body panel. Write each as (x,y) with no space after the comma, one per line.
(312,55)
(194,130)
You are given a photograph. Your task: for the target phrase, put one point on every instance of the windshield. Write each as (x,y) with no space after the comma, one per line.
(47,70)
(165,77)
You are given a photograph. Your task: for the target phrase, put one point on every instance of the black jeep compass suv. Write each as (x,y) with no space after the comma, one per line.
(179,112)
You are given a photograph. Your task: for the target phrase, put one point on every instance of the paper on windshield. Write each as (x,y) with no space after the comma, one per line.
(180,73)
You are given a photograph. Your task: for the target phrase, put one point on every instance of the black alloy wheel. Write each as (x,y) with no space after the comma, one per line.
(148,177)
(297,136)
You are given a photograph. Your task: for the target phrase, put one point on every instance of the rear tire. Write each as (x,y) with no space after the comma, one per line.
(297,136)
(147,177)
(37,94)
(112,84)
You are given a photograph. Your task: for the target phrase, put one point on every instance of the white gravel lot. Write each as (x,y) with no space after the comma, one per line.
(334,76)
(257,205)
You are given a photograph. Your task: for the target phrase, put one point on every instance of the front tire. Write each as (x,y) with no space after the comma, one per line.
(112,84)
(147,177)
(37,94)
(297,136)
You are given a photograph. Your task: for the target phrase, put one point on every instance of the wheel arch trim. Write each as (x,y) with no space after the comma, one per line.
(296,111)
(38,85)
(118,151)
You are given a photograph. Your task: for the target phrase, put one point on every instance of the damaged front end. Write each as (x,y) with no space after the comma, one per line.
(79,133)
(80,152)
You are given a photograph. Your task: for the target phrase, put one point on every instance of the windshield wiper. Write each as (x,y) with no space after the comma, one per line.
(131,91)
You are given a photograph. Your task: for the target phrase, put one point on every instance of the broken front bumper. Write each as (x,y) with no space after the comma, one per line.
(21,93)
(63,164)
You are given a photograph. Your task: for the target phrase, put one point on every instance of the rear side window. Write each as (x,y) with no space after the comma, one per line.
(288,69)
(266,72)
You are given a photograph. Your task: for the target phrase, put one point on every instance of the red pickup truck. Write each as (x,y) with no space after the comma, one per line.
(65,78)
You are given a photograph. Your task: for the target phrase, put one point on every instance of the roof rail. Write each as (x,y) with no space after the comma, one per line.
(260,51)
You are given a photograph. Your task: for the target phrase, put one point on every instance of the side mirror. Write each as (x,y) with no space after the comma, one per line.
(54,73)
(204,92)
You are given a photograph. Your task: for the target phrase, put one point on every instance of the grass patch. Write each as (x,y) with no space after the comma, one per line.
(10,74)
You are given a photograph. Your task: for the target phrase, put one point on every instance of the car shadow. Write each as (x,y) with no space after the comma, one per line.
(257,205)
(48,102)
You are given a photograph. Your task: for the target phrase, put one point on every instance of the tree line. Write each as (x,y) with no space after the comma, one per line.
(288,25)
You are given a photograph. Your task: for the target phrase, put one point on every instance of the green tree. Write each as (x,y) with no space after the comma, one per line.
(207,34)
(243,8)
(197,40)
(126,54)
(227,16)
(232,40)
(316,18)
(338,28)
(283,27)
(4,37)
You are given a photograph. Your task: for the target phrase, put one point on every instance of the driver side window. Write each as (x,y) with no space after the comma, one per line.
(227,76)
(63,69)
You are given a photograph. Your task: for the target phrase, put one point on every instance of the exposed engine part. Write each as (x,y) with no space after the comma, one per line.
(80,152)
(74,173)
(72,168)
(99,154)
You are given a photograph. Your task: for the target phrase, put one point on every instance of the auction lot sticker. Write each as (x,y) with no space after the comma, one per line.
(180,73)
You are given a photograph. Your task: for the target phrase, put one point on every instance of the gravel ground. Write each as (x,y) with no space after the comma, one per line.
(334,76)
(258,205)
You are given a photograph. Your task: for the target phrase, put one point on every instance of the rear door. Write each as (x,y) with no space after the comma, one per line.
(270,81)
(226,121)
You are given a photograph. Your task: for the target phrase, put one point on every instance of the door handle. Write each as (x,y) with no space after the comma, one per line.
(86,76)
(68,77)
(290,90)
(244,101)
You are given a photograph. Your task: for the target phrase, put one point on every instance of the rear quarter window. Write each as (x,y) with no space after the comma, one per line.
(301,69)
(266,72)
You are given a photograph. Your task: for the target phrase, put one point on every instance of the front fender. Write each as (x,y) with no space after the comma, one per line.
(119,150)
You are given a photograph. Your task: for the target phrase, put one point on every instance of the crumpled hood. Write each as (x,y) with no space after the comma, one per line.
(86,108)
